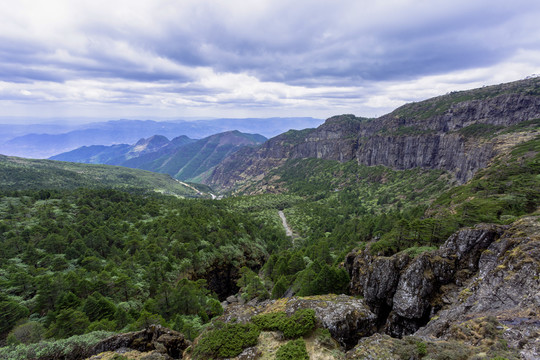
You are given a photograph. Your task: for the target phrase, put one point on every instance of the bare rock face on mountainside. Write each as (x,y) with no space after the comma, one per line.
(489,273)
(440,133)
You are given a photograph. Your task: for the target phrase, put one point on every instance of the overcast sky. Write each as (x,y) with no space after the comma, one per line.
(199,58)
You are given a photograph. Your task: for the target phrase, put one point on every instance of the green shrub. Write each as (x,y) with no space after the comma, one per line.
(301,323)
(269,322)
(293,350)
(27,333)
(226,341)
(119,357)
(421,348)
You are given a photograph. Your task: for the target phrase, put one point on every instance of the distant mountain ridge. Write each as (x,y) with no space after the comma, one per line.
(45,141)
(459,132)
(182,158)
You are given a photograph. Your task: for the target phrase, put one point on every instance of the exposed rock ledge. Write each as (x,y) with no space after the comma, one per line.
(406,292)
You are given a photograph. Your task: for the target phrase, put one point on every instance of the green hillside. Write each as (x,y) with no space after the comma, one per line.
(436,106)
(77,261)
(22,174)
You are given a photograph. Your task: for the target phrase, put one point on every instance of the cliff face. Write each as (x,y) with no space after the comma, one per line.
(406,292)
(486,271)
(430,134)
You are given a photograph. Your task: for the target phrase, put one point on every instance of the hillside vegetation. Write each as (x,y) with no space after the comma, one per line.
(22,174)
(78,261)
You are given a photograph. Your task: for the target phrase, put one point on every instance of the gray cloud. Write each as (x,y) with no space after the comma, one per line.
(194,49)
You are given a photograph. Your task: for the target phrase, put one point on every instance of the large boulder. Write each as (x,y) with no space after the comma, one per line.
(346,318)
(506,287)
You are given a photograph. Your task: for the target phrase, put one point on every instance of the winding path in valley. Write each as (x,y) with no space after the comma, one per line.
(286,226)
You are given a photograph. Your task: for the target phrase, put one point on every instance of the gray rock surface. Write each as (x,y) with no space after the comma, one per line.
(506,286)
(165,341)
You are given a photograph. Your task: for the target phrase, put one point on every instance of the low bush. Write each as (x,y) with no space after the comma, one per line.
(226,341)
(293,350)
(70,348)
(301,323)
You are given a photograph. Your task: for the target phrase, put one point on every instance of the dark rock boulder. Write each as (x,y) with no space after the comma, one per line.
(156,342)
(376,279)
(467,245)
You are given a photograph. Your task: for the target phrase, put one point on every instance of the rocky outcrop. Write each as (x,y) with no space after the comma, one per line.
(425,134)
(481,287)
(163,340)
(405,292)
(156,342)
(346,318)
(506,287)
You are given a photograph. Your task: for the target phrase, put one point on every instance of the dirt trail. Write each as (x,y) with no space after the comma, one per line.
(288,230)
(189,186)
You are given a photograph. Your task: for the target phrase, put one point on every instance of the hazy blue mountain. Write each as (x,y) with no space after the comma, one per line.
(182,157)
(44,142)
(94,154)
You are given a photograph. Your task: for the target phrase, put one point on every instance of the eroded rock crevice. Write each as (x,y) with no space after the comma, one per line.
(404,292)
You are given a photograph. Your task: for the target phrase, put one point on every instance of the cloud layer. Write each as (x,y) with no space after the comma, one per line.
(255,58)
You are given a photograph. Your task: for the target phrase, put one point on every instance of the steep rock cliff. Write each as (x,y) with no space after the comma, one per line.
(430,134)
(506,287)
(406,292)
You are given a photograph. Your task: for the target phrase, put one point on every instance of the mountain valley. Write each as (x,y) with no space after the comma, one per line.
(415,235)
